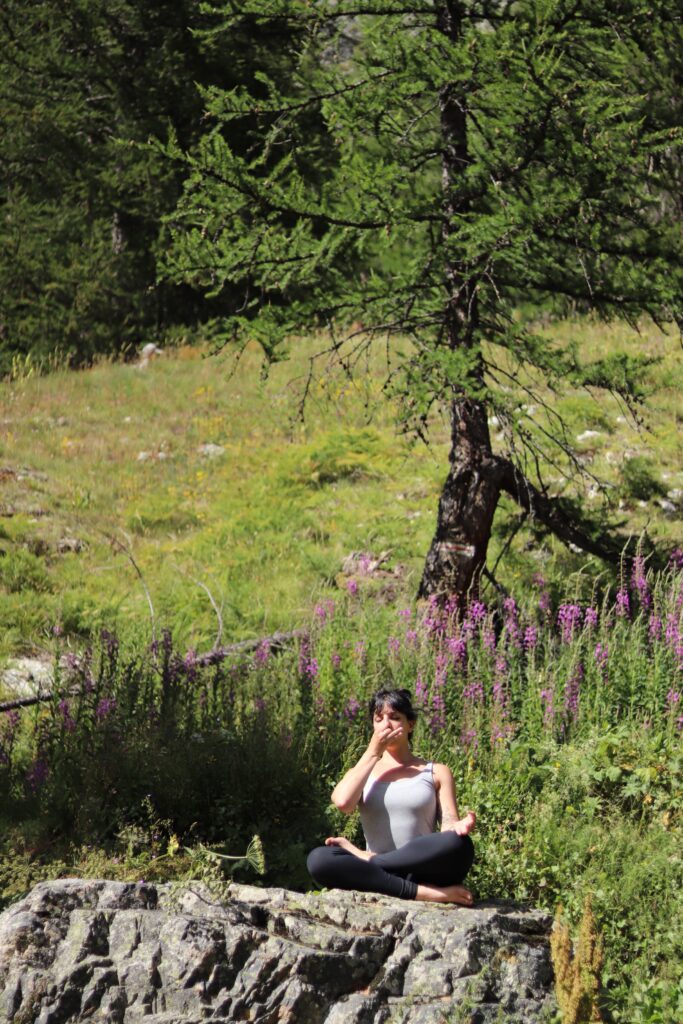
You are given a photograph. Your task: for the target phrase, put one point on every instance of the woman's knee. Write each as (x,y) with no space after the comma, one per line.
(461,848)
(453,843)
(318,862)
(326,866)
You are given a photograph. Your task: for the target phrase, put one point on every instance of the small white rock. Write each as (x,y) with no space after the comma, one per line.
(587,435)
(144,456)
(666,505)
(211,451)
(27,676)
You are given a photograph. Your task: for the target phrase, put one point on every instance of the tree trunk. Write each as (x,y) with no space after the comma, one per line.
(467,505)
(470,495)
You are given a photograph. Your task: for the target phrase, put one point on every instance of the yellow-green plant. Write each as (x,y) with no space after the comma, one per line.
(577,968)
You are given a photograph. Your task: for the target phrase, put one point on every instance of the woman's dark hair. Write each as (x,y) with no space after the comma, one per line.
(398,700)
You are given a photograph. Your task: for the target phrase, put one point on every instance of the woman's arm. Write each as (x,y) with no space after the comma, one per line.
(348,791)
(445,788)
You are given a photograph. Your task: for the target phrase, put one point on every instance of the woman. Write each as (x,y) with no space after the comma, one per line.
(400,798)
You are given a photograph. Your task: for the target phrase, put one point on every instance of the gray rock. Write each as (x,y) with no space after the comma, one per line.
(27,677)
(211,451)
(121,953)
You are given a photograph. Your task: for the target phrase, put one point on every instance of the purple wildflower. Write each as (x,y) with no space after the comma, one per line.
(469,628)
(57,630)
(411,638)
(568,619)
(601,655)
(441,665)
(477,610)
(676,558)
(671,634)
(324,611)
(68,723)
(474,692)
(262,653)
(190,665)
(590,618)
(405,614)
(639,581)
(469,740)
(105,708)
(260,704)
(304,654)
(312,668)
(434,620)
(458,649)
(623,605)
(360,651)
(352,708)
(489,638)
(572,693)
(394,645)
(530,638)
(654,629)
(335,660)
(437,718)
(352,586)
(365,562)
(420,692)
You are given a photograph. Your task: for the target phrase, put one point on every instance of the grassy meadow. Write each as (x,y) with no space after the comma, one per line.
(558,708)
(115,459)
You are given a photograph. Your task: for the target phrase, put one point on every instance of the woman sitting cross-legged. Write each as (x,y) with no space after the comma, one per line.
(400,798)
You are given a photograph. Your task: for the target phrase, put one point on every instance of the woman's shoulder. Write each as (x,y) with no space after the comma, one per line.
(441,772)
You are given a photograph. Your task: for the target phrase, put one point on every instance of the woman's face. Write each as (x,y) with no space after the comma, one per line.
(388,717)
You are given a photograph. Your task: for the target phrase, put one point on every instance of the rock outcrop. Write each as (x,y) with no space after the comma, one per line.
(123,953)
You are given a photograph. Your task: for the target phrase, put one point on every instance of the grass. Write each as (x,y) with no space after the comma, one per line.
(113,459)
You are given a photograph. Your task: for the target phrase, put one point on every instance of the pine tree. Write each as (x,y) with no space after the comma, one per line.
(84,87)
(487,154)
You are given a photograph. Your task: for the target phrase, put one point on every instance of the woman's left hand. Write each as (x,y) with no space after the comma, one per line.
(465,825)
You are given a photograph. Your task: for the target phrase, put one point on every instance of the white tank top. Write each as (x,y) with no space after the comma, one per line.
(393,813)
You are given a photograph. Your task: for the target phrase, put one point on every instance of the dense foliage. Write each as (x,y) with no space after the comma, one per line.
(86,88)
(562,725)
(489,156)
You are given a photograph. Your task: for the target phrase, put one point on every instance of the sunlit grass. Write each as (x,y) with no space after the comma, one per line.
(114,457)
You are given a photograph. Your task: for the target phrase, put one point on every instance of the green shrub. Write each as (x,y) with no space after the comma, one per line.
(22,570)
(641,479)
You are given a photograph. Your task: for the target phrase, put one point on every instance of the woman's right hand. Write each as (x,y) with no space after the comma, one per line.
(382,737)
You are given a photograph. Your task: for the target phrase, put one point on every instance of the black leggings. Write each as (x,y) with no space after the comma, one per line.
(442,858)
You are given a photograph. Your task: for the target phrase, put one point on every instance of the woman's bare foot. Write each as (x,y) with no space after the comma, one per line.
(347,845)
(446,894)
